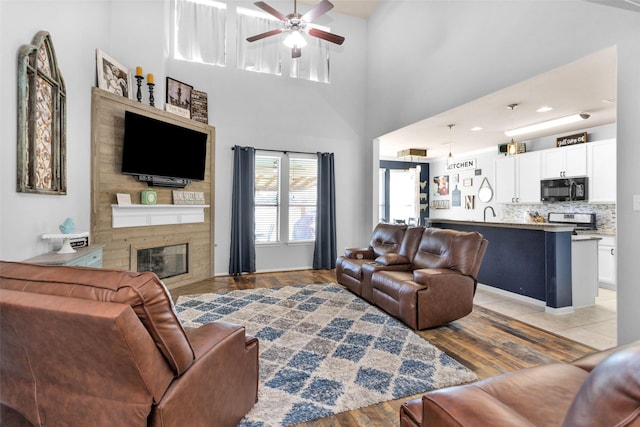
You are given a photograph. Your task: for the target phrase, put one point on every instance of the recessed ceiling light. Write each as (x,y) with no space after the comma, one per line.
(544,109)
(609,101)
(476,128)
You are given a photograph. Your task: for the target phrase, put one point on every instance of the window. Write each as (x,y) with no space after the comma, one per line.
(262,56)
(285,198)
(403,192)
(199,31)
(303,184)
(267,198)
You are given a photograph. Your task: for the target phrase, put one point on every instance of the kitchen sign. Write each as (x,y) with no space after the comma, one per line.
(578,138)
(461,165)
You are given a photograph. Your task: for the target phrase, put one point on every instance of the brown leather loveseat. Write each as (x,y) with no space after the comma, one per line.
(425,277)
(601,389)
(93,347)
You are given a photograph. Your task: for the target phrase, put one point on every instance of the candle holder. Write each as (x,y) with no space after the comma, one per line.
(151,99)
(139,93)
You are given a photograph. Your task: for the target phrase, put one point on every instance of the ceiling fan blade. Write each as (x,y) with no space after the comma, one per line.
(333,38)
(263,35)
(320,9)
(296,52)
(271,11)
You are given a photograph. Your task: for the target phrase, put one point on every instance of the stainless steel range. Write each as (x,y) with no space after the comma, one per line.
(581,221)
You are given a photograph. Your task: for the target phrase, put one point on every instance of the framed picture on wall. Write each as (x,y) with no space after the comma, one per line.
(178,98)
(113,76)
(441,185)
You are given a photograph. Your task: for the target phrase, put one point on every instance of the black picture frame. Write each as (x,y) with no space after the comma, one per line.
(178,97)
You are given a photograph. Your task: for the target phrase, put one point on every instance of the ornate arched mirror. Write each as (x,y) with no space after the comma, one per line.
(42,107)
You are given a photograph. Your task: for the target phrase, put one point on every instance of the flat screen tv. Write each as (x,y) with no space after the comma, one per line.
(162,153)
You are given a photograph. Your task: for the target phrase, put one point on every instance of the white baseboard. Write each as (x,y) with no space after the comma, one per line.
(529,300)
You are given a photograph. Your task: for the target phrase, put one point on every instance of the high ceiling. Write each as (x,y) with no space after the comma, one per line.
(359,8)
(587,85)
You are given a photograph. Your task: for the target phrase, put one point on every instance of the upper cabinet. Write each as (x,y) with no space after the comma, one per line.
(601,161)
(565,162)
(518,178)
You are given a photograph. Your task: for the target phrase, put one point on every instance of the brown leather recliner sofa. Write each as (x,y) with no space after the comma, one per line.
(425,277)
(601,389)
(84,346)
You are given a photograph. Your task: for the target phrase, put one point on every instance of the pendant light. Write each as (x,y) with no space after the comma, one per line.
(450,157)
(512,147)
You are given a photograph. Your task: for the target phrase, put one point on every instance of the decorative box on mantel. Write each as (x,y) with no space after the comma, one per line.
(148,215)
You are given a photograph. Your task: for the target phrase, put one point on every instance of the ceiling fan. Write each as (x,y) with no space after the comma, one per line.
(296,24)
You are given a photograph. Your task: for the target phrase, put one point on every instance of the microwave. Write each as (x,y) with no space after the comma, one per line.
(564,189)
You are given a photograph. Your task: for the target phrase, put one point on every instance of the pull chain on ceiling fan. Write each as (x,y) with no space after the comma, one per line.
(296,25)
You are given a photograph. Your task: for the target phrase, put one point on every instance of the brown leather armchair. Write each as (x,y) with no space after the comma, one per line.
(392,247)
(602,389)
(84,346)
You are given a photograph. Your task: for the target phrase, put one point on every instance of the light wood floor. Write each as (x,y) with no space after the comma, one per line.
(486,342)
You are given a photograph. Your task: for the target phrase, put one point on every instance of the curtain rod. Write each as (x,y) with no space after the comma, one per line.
(280,151)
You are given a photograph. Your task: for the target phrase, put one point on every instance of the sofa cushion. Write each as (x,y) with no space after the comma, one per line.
(144,292)
(442,248)
(611,393)
(353,267)
(387,238)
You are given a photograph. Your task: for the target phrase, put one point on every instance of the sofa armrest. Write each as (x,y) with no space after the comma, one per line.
(392,259)
(466,405)
(590,361)
(447,295)
(529,397)
(359,253)
(438,277)
(221,385)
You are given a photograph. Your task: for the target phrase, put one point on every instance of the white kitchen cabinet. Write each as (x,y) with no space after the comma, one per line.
(607,262)
(564,162)
(518,178)
(584,271)
(601,163)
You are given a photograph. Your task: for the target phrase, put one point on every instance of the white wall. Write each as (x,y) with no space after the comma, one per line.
(458,51)
(78,28)
(260,110)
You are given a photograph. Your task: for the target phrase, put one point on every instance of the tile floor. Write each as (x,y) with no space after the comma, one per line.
(594,326)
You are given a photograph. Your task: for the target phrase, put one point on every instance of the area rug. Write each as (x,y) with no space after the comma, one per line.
(323,351)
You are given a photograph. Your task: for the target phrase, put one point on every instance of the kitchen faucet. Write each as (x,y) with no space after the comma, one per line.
(485,212)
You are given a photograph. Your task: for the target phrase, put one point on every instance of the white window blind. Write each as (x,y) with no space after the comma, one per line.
(267,198)
(262,56)
(286,197)
(200,31)
(303,185)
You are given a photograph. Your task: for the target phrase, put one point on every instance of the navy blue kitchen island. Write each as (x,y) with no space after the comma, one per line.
(533,260)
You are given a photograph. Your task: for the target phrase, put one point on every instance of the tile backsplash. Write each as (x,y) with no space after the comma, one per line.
(605,213)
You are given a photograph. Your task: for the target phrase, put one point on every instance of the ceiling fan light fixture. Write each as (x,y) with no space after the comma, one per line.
(294,39)
(548,124)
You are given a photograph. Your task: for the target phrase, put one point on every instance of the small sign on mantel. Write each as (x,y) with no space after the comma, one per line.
(578,138)
(188,197)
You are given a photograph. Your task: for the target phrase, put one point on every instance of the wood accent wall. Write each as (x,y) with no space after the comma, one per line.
(107,133)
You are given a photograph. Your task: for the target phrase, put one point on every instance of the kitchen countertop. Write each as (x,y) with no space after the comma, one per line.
(542,226)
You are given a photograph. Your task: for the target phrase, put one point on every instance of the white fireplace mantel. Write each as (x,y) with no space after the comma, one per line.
(149,215)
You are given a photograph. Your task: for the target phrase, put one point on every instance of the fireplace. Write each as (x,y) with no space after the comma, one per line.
(167,260)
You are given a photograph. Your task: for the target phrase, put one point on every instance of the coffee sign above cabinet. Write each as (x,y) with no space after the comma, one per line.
(578,138)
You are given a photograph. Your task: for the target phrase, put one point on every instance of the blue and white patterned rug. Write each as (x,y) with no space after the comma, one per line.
(323,351)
